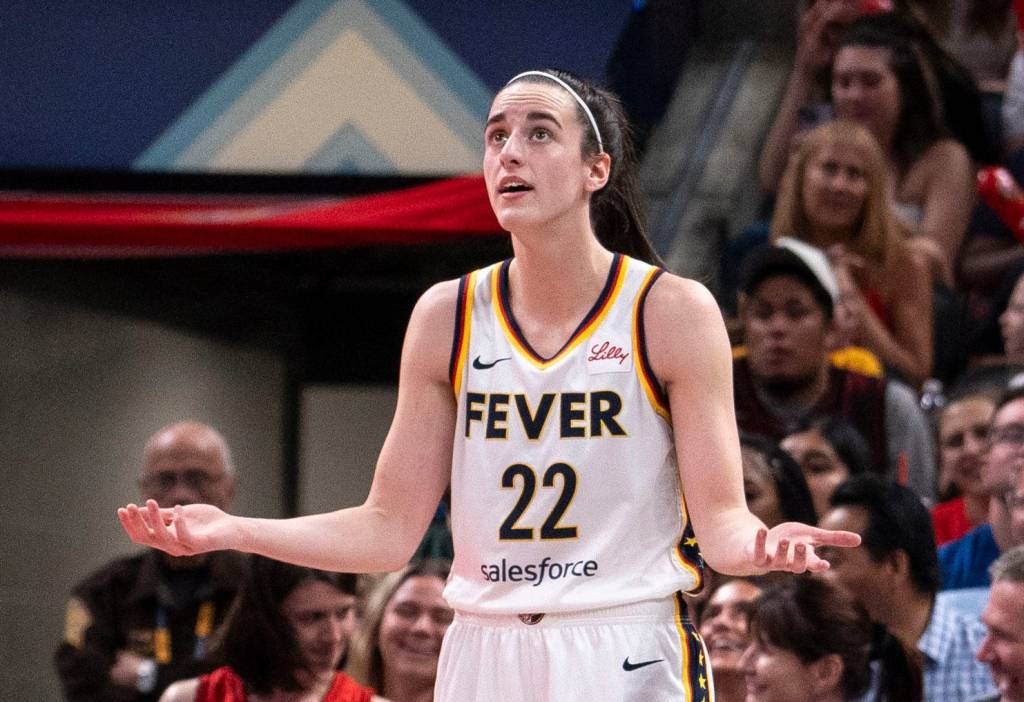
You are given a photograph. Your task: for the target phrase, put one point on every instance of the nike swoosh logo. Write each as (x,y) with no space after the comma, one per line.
(480,365)
(627,666)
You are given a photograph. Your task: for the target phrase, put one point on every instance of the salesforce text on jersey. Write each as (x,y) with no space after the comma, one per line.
(536,572)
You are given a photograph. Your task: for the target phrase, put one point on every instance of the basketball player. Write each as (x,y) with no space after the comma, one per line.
(584,394)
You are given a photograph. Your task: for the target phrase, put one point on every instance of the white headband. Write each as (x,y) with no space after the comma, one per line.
(575,95)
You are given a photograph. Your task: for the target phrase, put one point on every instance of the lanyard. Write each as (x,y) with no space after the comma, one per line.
(162,637)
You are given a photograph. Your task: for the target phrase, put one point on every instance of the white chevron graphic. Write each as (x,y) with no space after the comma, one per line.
(334,77)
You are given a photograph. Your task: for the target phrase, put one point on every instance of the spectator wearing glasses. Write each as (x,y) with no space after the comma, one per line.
(139,623)
(965,562)
(1003,647)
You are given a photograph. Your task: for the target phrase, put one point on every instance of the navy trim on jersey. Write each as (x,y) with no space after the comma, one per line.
(460,328)
(506,303)
(644,361)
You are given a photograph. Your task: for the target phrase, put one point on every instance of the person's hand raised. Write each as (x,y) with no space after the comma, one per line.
(817,35)
(790,547)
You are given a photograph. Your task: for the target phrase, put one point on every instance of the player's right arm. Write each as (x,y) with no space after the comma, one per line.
(412,473)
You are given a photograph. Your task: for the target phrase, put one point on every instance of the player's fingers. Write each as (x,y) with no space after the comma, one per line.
(161,534)
(134,523)
(799,558)
(782,554)
(824,537)
(181,525)
(760,553)
(817,565)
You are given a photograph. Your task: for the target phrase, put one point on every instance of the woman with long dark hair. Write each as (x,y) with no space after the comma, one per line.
(283,641)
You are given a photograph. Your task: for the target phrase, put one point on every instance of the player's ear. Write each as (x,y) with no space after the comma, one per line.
(599,173)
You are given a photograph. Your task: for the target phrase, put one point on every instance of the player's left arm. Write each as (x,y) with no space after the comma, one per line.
(689,352)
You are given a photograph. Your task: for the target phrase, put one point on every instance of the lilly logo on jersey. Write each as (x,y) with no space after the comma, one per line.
(609,356)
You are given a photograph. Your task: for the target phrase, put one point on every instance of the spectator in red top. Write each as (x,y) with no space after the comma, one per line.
(963,440)
(283,642)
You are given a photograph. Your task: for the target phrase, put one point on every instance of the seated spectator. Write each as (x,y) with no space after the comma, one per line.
(805,101)
(835,195)
(895,575)
(1003,647)
(809,643)
(881,79)
(829,451)
(723,626)
(963,439)
(773,483)
(396,647)
(283,641)
(141,622)
(786,311)
(965,561)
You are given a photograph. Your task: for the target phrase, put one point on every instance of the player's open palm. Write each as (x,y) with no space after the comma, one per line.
(790,547)
(181,530)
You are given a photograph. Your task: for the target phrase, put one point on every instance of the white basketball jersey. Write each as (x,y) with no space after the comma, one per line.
(565,491)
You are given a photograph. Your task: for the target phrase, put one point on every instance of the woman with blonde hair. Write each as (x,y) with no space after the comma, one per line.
(396,648)
(836,195)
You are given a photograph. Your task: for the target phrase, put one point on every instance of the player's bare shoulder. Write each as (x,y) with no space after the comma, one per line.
(681,318)
(674,300)
(428,340)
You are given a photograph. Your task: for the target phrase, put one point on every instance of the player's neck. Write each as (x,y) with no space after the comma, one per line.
(558,278)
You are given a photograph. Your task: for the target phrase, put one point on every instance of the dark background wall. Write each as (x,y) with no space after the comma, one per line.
(90,84)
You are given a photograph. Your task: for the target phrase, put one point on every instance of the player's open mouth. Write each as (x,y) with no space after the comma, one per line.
(513,185)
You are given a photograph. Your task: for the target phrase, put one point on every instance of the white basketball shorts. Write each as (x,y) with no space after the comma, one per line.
(643,652)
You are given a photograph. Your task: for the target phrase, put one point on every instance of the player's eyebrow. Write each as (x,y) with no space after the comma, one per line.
(537,116)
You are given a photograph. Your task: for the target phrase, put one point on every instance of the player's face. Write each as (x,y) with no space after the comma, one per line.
(534,167)
(1003,647)
(777,675)
(853,569)
(823,469)
(724,625)
(786,331)
(865,89)
(963,439)
(834,189)
(322,618)
(412,627)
